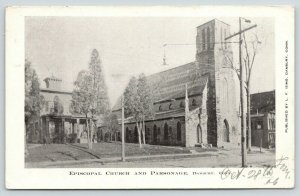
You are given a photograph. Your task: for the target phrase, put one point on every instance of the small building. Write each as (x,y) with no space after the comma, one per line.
(263,119)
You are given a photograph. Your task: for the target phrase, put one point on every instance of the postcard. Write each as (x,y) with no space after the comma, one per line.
(157,97)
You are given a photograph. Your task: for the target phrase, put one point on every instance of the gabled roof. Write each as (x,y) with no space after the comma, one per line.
(170,84)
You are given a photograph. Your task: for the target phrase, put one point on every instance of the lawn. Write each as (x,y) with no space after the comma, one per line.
(63,152)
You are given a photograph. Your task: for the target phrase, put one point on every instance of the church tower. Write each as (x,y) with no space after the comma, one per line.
(214,59)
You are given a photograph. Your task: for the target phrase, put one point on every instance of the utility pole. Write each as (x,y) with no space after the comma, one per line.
(123,131)
(243,119)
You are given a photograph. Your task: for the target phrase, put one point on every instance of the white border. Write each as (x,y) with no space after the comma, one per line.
(17,177)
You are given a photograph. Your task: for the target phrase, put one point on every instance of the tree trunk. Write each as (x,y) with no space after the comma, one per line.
(143,129)
(25,141)
(88,133)
(139,134)
(249,117)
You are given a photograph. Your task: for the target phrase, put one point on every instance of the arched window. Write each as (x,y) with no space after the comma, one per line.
(208,38)
(160,108)
(154,134)
(136,135)
(127,135)
(170,106)
(203,39)
(47,106)
(194,103)
(178,131)
(166,131)
(199,134)
(56,102)
(147,137)
(170,132)
(181,104)
(225,93)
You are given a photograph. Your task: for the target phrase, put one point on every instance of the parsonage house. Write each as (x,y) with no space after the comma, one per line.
(56,123)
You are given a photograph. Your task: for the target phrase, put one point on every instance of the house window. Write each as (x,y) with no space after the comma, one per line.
(178,131)
(181,104)
(47,106)
(170,132)
(155,138)
(259,124)
(166,131)
(160,108)
(147,136)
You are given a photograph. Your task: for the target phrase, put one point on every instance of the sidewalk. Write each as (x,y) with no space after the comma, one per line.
(118,159)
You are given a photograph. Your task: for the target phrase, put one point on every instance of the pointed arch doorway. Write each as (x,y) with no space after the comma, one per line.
(226,132)
(199,134)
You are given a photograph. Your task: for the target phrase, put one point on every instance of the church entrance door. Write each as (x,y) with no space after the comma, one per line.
(199,134)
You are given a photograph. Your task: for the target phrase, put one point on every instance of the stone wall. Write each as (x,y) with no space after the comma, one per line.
(167,127)
(227,92)
(196,123)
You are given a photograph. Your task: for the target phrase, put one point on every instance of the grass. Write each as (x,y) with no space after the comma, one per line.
(55,152)
(63,152)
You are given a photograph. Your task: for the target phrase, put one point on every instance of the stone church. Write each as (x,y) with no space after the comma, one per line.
(196,104)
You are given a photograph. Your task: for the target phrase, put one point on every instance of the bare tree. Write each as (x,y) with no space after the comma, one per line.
(251,50)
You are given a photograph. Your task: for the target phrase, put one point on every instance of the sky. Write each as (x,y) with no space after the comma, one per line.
(128,46)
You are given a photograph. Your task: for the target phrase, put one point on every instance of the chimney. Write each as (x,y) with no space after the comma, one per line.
(53,83)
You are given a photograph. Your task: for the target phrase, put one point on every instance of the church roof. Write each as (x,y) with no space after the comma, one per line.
(170,84)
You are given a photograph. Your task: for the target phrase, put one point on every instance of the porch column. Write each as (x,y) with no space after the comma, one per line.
(47,134)
(77,127)
(41,130)
(62,130)
(72,127)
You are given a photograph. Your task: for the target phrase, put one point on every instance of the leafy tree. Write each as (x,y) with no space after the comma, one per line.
(101,101)
(90,93)
(33,100)
(138,103)
(111,121)
(132,105)
(82,97)
(145,94)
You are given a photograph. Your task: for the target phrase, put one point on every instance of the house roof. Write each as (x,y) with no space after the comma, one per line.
(170,84)
(263,102)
